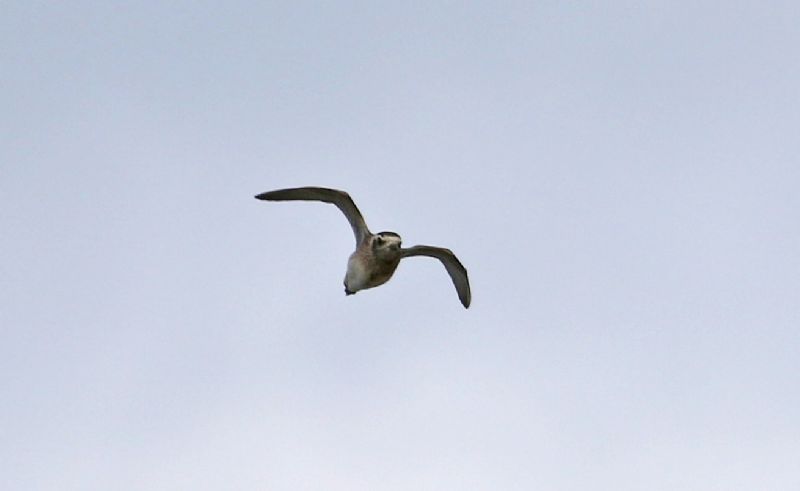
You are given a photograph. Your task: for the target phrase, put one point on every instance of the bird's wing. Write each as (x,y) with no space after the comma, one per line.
(451,263)
(342,200)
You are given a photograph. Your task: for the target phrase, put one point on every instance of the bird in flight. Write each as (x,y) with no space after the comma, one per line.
(377,255)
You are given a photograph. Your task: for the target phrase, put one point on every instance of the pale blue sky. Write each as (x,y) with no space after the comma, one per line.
(619,178)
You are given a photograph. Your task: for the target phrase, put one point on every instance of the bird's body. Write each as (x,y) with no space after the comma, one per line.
(371,264)
(377,255)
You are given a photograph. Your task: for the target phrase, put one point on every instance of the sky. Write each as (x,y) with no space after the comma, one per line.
(619,178)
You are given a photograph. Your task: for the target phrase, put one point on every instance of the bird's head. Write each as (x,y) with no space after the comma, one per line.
(386,241)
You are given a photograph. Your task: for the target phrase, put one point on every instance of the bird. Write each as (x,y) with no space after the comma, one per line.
(376,256)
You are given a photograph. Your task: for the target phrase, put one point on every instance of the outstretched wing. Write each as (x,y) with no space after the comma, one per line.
(451,263)
(342,200)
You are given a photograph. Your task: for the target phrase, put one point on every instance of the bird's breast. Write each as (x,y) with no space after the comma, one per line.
(367,271)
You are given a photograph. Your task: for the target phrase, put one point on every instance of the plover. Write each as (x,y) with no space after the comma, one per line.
(377,255)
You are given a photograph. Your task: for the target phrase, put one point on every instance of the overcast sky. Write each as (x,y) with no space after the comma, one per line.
(619,178)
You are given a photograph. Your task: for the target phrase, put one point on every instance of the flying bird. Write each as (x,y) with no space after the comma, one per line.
(377,255)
